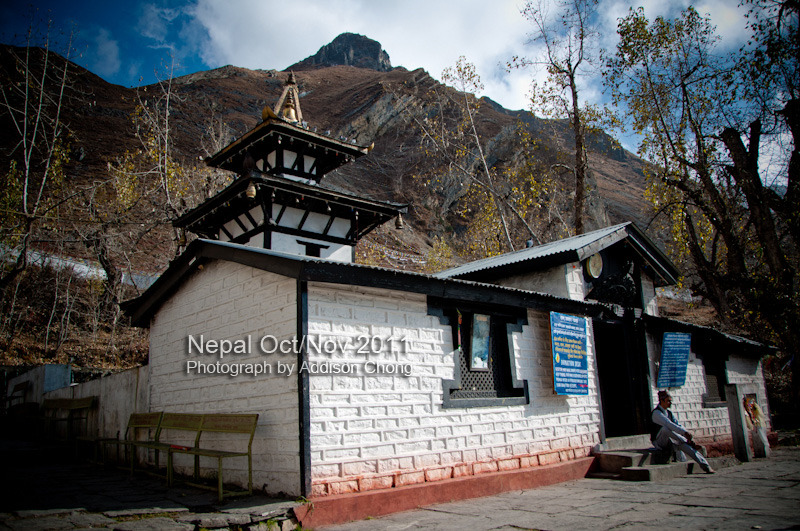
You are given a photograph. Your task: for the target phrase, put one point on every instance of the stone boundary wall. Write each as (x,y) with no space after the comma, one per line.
(118,395)
(374,431)
(228,301)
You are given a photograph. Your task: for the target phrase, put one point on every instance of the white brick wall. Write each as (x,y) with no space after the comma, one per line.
(707,424)
(229,301)
(552,281)
(649,301)
(378,431)
(576,286)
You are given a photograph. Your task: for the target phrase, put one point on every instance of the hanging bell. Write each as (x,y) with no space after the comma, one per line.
(251,190)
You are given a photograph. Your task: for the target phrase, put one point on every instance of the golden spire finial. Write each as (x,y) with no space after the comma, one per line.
(288,105)
(289,112)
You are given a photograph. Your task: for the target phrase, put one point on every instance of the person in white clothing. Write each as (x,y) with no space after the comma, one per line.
(667,434)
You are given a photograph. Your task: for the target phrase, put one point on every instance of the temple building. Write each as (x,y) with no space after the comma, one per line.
(503,373)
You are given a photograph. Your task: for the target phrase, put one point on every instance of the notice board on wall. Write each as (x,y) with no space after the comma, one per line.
(570,366)
(675,350)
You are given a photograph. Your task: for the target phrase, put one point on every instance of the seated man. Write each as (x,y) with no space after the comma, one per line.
(667,434)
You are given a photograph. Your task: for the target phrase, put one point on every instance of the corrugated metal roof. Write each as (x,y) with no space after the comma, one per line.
(142,308)
(315,269)
(573,244)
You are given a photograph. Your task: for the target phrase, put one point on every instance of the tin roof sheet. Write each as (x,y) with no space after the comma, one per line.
(567,245)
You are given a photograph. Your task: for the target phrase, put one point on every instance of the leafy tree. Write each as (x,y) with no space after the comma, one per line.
(567,39)
(33,90)
(452,134)
(440,256)
(500,201)
(704,130)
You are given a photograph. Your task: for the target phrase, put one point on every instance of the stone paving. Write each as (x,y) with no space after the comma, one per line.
(40,490)
(763,494)
(44,488)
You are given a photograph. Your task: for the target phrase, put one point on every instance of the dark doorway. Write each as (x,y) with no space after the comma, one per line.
(623,373)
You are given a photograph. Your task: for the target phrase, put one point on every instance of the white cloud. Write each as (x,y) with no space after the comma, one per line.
(431,34)
(107,61)
(255,34)
(416,33)
(154,22)
(729,20)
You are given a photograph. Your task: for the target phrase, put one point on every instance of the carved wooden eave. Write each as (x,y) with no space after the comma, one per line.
(289,207)
(278,147)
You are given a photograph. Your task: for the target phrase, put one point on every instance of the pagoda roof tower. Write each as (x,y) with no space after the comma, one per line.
(276,201)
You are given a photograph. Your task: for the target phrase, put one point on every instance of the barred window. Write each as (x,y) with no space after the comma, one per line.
(485,371)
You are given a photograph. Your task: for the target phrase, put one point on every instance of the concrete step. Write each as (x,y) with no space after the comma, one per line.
(657,472)
(673,470)
(615,461)
(621,458)
(624,443)
(651,472)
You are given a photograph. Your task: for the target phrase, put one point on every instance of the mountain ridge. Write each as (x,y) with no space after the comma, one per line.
(361,103)
(347,49)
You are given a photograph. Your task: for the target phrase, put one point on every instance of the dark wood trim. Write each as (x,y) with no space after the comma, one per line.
(328,226)
(228,234)
(303,391)
(242,239)
(279,155)
(266,208)
(280,214)
(351,234)
(263,134)
(251,219)
(202,215)
(518,318)
(303,219)
(241,225)
(314,235)
(162,288)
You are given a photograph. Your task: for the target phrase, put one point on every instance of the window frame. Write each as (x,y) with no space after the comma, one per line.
(512,320)
(717,368)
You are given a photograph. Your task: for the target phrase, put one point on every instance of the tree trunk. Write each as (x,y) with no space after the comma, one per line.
(580,158)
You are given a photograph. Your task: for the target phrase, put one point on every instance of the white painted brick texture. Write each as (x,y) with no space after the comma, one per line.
(381,430)
(228,301)
(708,425)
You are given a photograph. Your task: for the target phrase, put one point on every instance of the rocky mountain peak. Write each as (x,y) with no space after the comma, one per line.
(348,49)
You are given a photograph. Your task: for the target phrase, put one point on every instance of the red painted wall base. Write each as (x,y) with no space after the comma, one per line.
(342,508)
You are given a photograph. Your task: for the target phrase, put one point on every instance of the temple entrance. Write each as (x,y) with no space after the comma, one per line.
(623,373)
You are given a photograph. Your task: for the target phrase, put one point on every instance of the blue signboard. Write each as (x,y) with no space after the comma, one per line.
(570,367)
(674,359)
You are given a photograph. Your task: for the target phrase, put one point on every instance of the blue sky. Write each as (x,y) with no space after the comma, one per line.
(131,43)
(126,43)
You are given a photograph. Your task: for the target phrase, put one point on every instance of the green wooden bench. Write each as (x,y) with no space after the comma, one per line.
(244,424)
(147,424)
(179,433)
(169,432)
